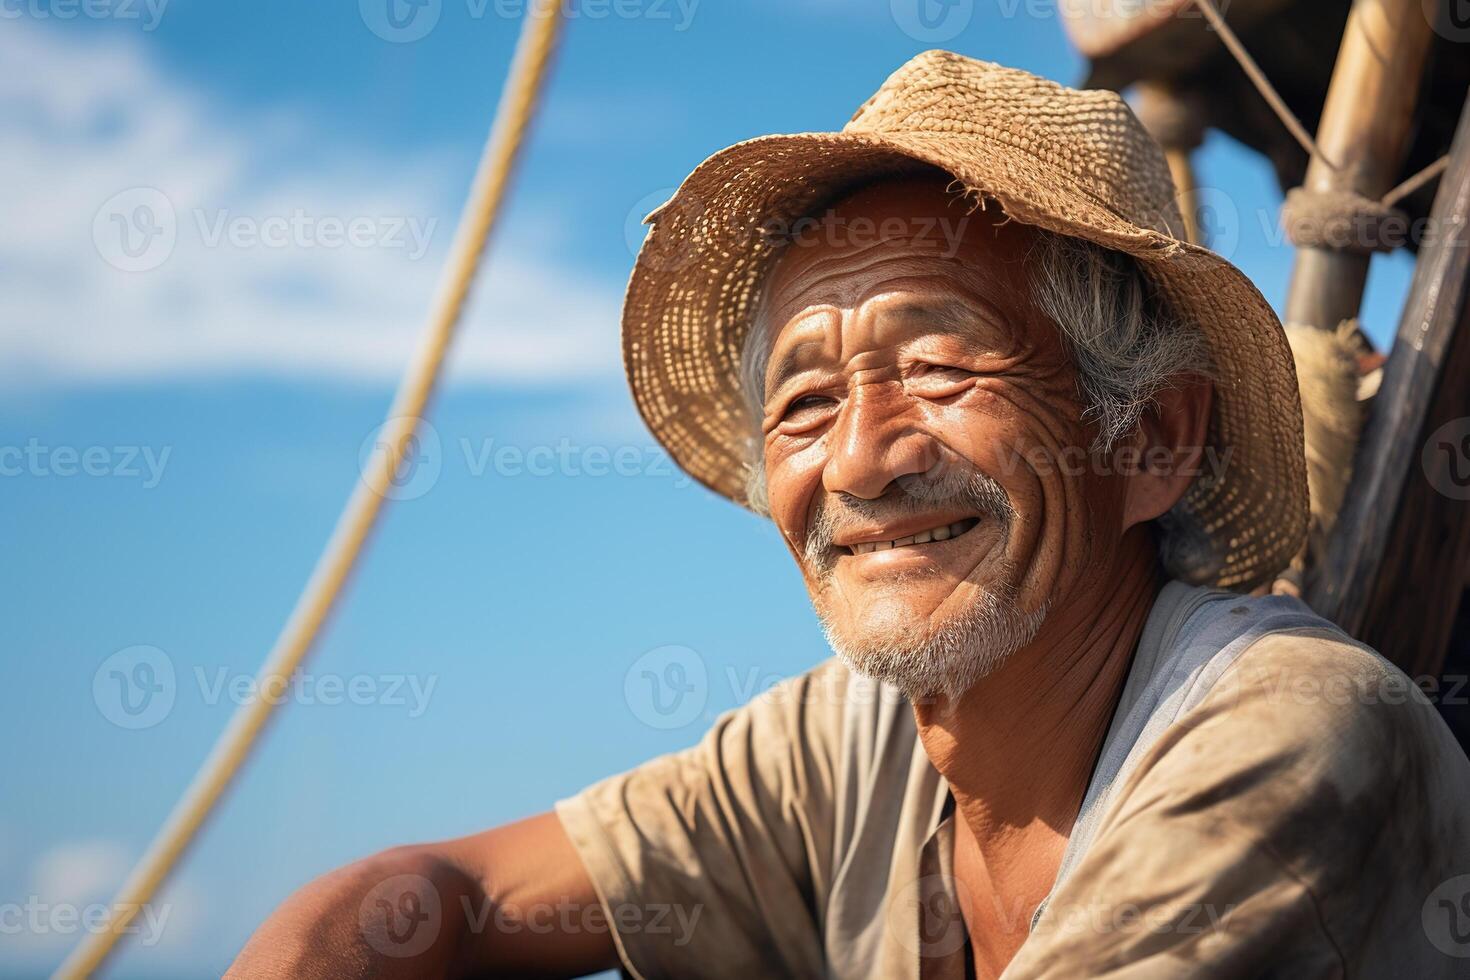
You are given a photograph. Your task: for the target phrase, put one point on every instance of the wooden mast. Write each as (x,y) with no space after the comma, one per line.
(1397,561)
(1362,140)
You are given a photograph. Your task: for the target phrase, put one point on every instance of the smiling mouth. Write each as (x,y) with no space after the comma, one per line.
(942,533)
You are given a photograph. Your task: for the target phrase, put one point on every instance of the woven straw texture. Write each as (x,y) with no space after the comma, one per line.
(1073,162)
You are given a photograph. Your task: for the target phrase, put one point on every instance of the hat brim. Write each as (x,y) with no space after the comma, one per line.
(692,296)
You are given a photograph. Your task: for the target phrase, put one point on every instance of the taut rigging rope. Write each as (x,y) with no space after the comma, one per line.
(527,72)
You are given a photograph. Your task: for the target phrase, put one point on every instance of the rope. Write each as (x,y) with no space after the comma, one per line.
(527,72)
(1341,221)
(1417,181)
(1288,118)
(1258,78)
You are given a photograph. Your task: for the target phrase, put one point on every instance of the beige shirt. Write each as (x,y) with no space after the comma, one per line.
(1271,799)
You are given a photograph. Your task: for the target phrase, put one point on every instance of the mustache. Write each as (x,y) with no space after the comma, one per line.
(910,495)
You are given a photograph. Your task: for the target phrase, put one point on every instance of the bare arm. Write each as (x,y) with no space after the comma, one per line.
(513,901)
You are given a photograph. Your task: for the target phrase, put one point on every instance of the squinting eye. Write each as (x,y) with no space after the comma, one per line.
(938,380)
(807,410)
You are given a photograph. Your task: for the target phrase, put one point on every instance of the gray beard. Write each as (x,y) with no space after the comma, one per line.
(945,661)
(924,661)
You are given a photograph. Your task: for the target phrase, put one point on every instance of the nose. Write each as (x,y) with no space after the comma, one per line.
(874,442)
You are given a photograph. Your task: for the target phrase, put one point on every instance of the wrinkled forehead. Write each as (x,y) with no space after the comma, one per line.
(910,237)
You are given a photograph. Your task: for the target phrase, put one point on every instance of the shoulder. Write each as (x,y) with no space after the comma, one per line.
(1314,691)
(1321,761)
(1311,742)
(1274,718)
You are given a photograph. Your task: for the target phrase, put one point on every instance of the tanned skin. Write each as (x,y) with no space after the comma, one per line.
(872,381)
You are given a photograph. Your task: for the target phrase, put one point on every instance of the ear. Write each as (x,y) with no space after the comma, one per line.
(1170,439)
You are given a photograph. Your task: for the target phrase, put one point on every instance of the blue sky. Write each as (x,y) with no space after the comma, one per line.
(178,429)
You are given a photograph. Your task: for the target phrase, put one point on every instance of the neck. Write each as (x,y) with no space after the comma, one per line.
(1018,748)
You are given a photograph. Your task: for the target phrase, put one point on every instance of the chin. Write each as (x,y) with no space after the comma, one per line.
(925,658)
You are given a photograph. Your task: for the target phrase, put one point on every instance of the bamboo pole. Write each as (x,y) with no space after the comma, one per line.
(1362,140)
(1182,170)
(1176,120)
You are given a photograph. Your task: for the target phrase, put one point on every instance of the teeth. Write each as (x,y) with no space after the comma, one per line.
(943,533)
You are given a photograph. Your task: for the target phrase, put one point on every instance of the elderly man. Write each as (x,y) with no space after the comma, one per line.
(1022,442)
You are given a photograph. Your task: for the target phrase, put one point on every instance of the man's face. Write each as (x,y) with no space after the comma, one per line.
(911,389)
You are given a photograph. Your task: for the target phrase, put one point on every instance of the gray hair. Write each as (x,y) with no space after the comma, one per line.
(1124,345)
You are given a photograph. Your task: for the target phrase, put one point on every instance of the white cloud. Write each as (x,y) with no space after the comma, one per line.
(72,884)
(262,276)
(79,872)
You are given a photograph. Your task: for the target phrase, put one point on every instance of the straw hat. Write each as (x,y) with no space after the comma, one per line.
(1072,162)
